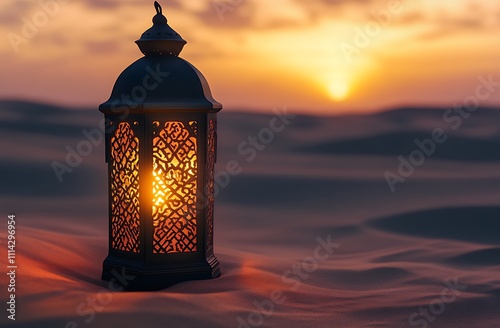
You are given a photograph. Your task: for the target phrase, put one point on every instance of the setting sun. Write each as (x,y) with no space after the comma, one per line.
(338,90)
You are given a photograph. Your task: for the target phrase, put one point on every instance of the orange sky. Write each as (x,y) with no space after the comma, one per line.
(259,54)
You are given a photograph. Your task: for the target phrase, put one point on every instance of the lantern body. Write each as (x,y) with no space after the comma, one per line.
(161,139)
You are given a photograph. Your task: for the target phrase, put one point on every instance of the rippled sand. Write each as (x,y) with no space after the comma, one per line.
(320,177)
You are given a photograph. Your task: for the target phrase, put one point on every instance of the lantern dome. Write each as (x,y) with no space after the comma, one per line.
(157,82)
(161,80)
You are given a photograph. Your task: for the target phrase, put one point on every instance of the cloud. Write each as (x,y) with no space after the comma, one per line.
(113,4)
(98,47)
(255,14)
(223,14)
(447,23)
(318,9)
(12,13)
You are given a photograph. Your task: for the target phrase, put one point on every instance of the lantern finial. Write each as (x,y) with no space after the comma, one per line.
(160,39)
(159,18)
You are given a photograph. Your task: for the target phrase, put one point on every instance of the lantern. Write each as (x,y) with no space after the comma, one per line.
(161,139)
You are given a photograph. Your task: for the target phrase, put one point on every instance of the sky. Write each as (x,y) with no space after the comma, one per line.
(311,56)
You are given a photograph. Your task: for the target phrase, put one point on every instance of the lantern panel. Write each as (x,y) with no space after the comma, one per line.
(125,218)
(175,174)
(210,185)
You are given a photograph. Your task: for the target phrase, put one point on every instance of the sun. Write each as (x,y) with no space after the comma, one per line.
(338,90)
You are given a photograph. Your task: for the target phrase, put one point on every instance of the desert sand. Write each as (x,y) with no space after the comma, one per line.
(431,245)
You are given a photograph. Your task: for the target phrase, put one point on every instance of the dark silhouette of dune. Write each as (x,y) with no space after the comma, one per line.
(483,257)
(472,224)
(403,143)
(40,133)
(30,108)
(295,191)
(495,293)
(38,179)
(34,118)
(404,115)
(400,256)
(365,279)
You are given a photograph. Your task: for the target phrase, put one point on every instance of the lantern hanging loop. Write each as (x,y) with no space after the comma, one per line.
(159,18)
(158,7)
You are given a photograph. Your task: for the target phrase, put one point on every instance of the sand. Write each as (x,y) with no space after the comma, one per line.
(425,255)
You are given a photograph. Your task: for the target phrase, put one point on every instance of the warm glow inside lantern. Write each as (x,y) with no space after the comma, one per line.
(161,124)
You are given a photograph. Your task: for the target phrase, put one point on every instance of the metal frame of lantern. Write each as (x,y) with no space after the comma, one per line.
(161,152)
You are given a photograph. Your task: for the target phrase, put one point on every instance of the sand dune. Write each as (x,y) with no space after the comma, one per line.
(403,143)
(472,224)
(320,177)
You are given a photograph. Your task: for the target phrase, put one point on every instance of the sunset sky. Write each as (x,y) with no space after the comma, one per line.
(314,56)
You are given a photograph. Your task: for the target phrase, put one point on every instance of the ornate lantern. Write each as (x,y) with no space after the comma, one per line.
(161,139)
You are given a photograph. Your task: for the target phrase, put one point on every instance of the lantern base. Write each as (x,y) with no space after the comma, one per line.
(131,276)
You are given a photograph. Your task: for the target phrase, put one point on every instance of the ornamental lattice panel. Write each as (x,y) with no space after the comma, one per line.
(210,185)
(175,172)
(125,218)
